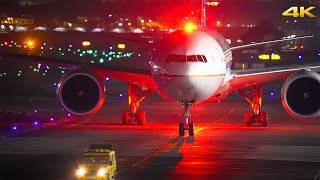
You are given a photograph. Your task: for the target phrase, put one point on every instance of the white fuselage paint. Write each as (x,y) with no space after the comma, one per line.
(190,80)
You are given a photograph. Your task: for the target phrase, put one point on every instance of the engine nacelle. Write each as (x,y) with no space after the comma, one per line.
(81,93)
(300,95)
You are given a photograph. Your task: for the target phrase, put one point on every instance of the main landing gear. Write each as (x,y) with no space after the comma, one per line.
(186,116)
(133,116)
(256,116)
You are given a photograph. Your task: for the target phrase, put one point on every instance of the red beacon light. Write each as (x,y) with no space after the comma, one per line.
(190,27)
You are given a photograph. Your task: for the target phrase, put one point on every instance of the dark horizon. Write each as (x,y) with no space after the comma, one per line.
(231,11)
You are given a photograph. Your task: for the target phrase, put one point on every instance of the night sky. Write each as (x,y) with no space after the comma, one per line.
(232,11)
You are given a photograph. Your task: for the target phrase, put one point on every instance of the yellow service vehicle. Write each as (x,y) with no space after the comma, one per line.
(98,163)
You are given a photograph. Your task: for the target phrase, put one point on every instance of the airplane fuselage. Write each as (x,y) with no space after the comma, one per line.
(190,66)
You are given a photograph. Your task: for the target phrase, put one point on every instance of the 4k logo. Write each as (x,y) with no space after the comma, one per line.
(299,12)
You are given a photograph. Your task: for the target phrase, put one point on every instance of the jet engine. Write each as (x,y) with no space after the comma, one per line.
(81,93)
(300,95)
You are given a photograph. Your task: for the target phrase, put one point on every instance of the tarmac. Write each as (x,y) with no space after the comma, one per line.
(222,148)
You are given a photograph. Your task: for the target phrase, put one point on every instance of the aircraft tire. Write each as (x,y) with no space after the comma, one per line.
(125,117)
(181,129)
(248,118)
(191,129)
(141,117)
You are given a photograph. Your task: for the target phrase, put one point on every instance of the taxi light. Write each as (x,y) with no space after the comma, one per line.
(190,27)
(81,172)
(101,172)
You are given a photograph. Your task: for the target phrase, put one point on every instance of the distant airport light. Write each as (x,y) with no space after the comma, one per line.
(121,46)
(60,29)
(86,43)
(30,43)
(275,57)
(79,29)
(264,56)
(40,28)
(137,30)
(14,128)
(214,3)
(190,27)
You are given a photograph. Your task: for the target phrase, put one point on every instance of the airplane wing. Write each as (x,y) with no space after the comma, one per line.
(248,77)
(124,72)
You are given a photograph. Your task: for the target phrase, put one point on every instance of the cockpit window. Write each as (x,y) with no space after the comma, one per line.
(183,58)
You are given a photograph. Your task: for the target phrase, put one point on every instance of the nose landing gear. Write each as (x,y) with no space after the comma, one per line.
(186,116)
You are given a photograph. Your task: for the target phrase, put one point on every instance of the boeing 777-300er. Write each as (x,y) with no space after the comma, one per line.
(188,67)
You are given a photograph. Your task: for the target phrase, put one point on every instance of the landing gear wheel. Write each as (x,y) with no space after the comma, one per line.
(141,117)
(248,118)
(263,116)
(191,129)
(181,129)
(125,117)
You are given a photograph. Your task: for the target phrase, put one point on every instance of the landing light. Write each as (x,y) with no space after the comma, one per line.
(190,27)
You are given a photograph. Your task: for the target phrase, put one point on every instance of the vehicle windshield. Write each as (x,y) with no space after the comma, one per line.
(95,159)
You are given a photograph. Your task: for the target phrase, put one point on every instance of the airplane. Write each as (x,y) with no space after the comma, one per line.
(188,67)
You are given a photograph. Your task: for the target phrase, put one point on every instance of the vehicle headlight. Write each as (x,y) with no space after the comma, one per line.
(101,172)
(81,172)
